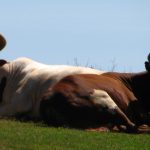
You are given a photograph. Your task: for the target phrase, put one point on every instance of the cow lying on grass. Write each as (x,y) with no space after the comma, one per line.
(92,101)
(107,102)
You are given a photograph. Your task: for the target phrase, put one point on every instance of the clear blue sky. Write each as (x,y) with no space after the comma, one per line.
(95,32)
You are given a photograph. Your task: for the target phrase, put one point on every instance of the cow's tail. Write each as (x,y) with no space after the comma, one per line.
(2,42)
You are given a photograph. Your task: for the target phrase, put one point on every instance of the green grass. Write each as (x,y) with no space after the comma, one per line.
(29,136)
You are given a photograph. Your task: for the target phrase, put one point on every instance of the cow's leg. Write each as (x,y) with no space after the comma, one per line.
(101,98)
(15,107)
(131,127)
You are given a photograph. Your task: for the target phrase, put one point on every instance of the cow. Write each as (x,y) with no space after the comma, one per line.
(23,82)
(111,101)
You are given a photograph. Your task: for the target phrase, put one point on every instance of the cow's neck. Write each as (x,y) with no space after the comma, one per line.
(140,86)
(138,83)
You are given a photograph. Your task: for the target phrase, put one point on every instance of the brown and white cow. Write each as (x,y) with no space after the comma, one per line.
(23,82)
(100,102)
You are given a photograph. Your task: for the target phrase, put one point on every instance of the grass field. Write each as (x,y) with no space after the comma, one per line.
(29,136)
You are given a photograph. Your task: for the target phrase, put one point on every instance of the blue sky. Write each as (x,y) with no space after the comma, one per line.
(101,33)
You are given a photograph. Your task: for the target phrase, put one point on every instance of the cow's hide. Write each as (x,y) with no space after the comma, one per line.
(23,82)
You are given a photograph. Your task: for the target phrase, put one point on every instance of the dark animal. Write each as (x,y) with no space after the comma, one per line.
(106,102)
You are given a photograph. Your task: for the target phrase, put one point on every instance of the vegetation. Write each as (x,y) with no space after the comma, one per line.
(29,136)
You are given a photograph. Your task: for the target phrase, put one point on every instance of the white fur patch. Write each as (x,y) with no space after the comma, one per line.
(102,98)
